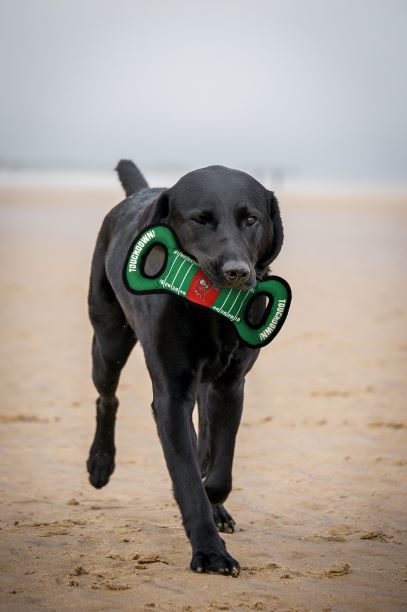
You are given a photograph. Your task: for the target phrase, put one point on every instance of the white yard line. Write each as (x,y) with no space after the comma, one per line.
(243,301)
(178,271)
(187,272)
(234,302)
(226,299)
(172,265)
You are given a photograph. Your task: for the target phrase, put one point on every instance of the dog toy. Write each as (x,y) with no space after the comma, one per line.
(181,275)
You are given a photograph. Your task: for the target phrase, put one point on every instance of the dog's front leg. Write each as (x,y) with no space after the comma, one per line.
(224,411)
(222,406)
(174,399)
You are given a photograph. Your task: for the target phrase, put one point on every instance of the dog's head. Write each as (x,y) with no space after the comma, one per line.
(225,219)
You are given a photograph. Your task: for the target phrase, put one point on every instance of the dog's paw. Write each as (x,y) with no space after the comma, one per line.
(100,466)
(214,558)
(223,521)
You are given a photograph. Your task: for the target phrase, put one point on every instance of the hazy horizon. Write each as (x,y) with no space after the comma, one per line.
(311,90)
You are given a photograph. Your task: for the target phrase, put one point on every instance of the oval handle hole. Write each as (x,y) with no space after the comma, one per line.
(258,309)
(154,261)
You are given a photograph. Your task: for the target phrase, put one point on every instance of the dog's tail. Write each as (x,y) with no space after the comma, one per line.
(130,176)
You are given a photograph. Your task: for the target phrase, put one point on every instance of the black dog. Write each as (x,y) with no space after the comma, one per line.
(231,224)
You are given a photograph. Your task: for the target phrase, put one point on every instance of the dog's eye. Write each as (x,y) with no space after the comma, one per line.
(203,219)
(251,220)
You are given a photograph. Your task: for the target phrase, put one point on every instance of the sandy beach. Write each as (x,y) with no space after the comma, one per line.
(320,493)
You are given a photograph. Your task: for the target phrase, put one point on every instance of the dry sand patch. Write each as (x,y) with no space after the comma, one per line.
(320,474)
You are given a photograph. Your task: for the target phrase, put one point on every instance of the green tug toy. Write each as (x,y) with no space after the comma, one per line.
(181,275)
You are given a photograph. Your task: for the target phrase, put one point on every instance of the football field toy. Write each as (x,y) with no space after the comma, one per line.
(181,275)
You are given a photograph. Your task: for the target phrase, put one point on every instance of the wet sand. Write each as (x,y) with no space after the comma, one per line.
(320,489)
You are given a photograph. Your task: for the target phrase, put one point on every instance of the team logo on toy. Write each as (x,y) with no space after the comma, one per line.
(201,287)
(201,290)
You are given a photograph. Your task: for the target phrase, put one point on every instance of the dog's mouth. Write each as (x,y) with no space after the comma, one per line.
(219,282)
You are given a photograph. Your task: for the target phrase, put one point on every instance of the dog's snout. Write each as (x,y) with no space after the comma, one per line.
(236,272)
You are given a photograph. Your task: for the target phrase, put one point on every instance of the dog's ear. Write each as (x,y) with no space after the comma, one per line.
(155,212)
(274,235)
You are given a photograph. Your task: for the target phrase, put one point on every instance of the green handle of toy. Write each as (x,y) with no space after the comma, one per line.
(135,277)
(279,295)
(181,275)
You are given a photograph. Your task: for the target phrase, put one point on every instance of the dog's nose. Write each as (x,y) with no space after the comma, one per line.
(236,272)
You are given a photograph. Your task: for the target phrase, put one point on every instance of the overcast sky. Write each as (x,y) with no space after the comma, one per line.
(317,88)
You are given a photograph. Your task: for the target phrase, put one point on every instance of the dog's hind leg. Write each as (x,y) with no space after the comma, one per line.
(109,357)
(113,342)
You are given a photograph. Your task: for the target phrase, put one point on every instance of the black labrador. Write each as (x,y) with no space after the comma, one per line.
(231,224)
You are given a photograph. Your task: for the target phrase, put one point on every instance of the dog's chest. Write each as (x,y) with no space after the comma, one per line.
(216,344)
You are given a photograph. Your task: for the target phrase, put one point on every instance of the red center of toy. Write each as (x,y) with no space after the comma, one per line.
(201,291)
